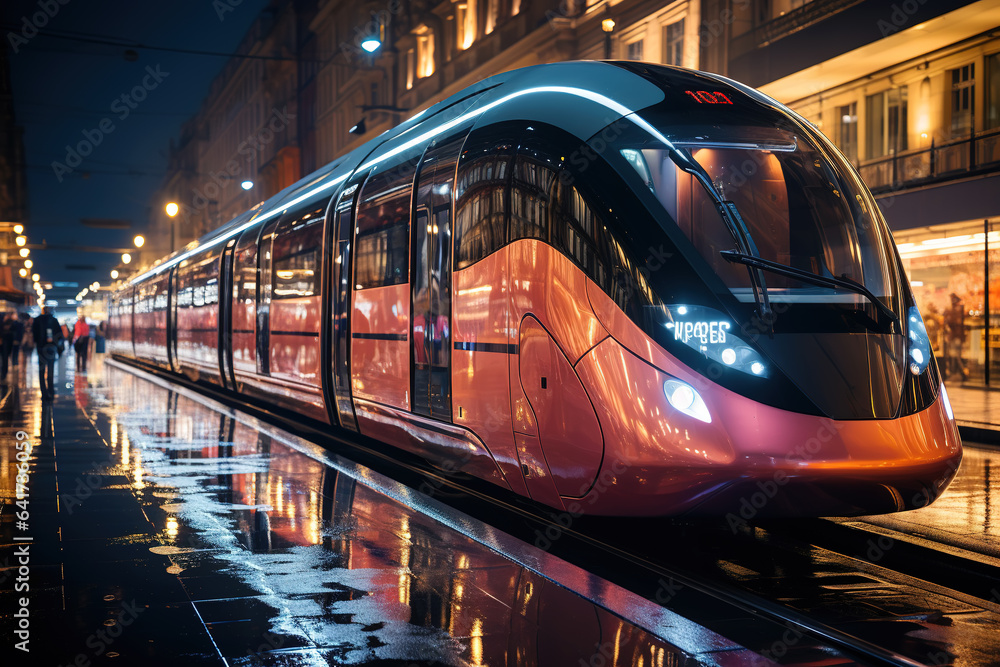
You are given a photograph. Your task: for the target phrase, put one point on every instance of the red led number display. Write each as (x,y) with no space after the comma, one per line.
(706,97)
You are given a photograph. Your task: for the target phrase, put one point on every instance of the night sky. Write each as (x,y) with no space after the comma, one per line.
(68,91)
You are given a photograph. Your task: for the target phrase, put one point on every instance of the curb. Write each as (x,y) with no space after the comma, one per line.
(986,434)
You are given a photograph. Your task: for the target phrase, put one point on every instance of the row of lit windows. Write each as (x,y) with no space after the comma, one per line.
(469,16)
(887,113)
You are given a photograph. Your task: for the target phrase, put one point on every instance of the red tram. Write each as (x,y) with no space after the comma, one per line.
(615,288)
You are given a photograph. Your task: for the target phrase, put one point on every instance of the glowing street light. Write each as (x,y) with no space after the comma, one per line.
(28,264)
(23,273)
(114,274)
(126,258)
(21,240)
(371,44)
(24,252)
(35,277)
(18,229)
(95,286)
(246,185)
(172,208)
(139,240)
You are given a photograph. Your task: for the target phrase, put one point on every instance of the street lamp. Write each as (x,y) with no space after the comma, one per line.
(21,240)
(139,240)
(23,252)
(18,228)
(28,264)
(126,258)
(371,44)
(23,272)
(114,274)
(608,26)
(35,277)
(172,208)
(246,185)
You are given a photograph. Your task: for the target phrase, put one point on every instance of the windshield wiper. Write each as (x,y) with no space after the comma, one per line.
(737,227)
(808,277)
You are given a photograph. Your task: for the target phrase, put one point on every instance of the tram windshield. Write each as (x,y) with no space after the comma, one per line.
(796,209)
(783,231)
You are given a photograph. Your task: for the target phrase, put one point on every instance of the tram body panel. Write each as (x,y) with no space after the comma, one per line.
(380,349)
(548,286)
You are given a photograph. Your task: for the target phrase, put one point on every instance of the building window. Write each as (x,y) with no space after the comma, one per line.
(887,127)
(673,43)
(847,135)
(634,50)
(993,91)
(425,52)
(465,24)
(963,97)
(411,67)
(492,15)
(515,8)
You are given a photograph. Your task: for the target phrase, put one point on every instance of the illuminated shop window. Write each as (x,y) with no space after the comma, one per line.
(425,51)
(945,265)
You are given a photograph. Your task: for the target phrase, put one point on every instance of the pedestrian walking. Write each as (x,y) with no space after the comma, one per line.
(27,339)
(48,335)
(100,336)
(81,343)
(18,336)
(6,343)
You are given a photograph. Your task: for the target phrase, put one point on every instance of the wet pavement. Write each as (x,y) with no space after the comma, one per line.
(162,528)
(967,515)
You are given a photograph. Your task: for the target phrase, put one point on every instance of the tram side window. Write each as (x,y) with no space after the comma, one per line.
(198,283)
(245,271)
(296,256)
(579,233)
(383,229)
(185,290)
(533,185)
(480,207)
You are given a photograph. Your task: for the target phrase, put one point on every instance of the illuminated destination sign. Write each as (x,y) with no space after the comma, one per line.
(708,97)
(701,331)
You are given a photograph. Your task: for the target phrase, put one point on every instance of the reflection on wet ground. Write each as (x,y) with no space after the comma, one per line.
(967,514)
(198,534)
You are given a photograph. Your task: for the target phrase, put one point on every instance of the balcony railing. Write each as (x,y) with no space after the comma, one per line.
(976,154)
(774,29)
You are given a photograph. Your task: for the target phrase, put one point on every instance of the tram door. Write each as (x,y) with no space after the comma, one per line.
(431,280)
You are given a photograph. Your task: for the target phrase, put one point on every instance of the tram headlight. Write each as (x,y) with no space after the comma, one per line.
(919,343)
(683,397)
(710,332)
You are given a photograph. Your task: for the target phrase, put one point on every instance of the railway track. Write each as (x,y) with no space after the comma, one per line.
(746,584)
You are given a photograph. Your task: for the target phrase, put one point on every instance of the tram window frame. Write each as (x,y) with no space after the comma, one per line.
(382,243)
(296,247)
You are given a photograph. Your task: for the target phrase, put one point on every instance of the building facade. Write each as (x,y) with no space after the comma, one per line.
(909,91)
